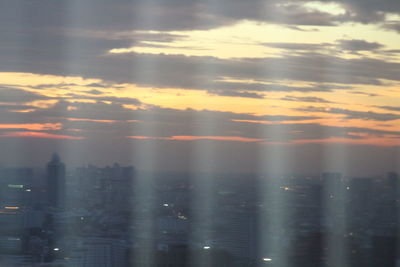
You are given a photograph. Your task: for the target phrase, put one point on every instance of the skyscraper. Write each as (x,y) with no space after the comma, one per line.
(55,182)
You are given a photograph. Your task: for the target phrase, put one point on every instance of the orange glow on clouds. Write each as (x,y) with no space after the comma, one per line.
(33,126)
(40,135)
(91,120)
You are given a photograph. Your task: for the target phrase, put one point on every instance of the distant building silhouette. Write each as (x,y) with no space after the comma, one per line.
(55,182)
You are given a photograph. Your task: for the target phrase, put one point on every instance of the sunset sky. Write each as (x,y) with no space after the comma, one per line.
(315,84)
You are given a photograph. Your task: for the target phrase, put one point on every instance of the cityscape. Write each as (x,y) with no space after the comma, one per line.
(200,133)
(96,216)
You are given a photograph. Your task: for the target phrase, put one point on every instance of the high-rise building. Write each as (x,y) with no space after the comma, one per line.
(15,205)
(16,187)
(56,182)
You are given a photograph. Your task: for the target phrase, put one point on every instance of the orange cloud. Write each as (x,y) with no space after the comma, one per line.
(32,126)
(40,135)
(91,120)
(194,138)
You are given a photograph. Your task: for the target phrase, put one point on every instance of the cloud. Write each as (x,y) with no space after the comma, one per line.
(275,118)
(94,92)
(236,94)
(38,135)
(352,114)
(96,133)
(369,11)
(394,26)
(76,42)
(391,108)
(101,120)
(32,126)
(364,93)
(205,73)
(352,45)
(260,85)
(366,115)
(359,45)
(113,99)
(305,99)
(297,46)
(14,95)
(124,15)
(393,51)
(310,67)
(15,107)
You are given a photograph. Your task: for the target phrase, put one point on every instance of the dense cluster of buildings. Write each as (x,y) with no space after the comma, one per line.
(115,217)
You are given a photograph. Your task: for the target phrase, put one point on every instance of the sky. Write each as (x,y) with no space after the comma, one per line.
(227,85)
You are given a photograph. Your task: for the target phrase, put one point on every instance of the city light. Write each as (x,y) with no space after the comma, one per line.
(16,186)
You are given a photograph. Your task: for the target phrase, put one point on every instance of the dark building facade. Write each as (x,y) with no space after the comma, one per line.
(55,182)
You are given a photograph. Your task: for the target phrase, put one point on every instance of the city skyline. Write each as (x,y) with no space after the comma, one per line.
(114,217)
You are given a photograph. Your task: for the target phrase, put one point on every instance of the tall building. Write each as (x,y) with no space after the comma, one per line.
(16,187)
(15,205)
(55,182)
